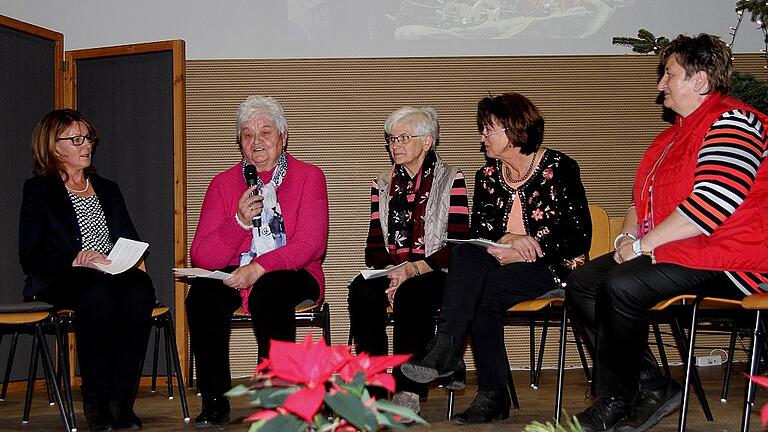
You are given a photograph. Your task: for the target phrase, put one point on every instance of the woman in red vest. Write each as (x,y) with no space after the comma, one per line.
(697,222)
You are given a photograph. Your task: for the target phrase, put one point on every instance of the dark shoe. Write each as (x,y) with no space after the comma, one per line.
(443,357)
(123,416)
(458,379)
(486,407)
(603,415)
(98,417)
(215,413)
(651,406)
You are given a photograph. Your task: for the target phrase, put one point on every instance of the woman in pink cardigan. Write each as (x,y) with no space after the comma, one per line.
(271,236)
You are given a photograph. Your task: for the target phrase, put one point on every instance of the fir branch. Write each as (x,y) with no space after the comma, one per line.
(644,43)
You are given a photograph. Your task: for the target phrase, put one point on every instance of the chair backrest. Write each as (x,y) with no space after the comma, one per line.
(601,232)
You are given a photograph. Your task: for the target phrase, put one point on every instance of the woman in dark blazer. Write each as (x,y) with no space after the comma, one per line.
(70,219)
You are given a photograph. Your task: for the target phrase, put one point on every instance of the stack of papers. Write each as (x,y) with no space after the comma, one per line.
(198,272)
(372,274)
(124,255)
(481,242)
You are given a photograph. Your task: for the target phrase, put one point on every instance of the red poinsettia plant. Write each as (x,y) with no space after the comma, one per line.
(312,386)
(763,382)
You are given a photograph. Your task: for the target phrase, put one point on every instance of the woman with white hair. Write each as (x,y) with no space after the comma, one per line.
(270,236)
(415,207)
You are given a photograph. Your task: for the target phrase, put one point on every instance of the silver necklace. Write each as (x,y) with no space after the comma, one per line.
(508,171)
(87,185)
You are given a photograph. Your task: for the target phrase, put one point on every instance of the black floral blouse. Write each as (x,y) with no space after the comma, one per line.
(555,210)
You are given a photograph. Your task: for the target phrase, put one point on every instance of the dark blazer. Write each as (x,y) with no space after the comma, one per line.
(49,236)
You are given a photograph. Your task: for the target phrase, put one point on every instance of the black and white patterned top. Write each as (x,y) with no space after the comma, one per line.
(92,223)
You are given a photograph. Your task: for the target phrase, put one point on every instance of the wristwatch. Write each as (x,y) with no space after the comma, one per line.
(637,247)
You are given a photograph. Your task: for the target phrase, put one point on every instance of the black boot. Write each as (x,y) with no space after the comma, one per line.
(215,413)
(97,416)
(123,416)
(487,406)
(443,357)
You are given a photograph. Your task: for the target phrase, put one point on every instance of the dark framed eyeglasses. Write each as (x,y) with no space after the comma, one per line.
(399,139)
(79,140)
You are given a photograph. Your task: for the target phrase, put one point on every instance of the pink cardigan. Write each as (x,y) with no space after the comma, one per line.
(303,197)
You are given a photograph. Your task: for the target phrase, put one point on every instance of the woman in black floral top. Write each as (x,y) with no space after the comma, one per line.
(531,200)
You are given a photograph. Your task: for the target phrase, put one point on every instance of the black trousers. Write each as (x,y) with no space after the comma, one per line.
(210,305)
(611,301)
(113,318)
(416,302)
(477,293)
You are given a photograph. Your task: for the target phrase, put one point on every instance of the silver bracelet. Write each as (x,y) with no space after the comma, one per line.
(242,225)
(621,236)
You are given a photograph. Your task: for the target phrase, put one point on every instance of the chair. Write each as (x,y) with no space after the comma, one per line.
(308,314)
(757,303)
(686,346)
(552,303)
(35,318)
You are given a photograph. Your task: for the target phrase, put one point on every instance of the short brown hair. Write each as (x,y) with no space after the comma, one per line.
(53,124)
(702,53)
(515,112)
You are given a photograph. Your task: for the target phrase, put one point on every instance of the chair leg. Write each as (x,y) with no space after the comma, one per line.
(754,363)
(561,366)
(662,351)
(326,311)
(171,340)
(729,364)
(532,349)
(49,372)
(512,390)
(191,374)
(582,356)
(690,373)
(168,370)
(63,360)
(156,343)
(541,352)
(450,403)
(31,379)
(9,366)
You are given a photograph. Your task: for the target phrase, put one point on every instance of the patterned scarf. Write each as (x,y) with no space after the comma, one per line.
(406,219)
(271,234)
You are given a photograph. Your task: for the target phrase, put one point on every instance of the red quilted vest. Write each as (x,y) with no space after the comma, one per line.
(741,242)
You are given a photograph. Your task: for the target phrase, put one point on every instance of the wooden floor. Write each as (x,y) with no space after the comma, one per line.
(161,414)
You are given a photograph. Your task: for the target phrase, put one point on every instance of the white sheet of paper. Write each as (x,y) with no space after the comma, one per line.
(124,255)
(371,274)
(198,272)
(481,242)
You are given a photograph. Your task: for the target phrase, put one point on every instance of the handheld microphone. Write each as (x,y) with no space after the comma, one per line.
(251,178)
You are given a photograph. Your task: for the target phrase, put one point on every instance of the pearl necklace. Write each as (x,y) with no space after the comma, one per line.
(508,171)
(87,185)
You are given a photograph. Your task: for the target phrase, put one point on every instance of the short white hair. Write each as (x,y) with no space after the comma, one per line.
(423,121)
(255,106)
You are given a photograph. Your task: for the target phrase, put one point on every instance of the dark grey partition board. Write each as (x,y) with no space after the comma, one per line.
(130,100)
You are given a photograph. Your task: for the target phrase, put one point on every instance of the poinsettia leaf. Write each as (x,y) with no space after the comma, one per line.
(387,420)
(261,415)
(383,380)
(352,409)
(758,379)
(272,397)
(388,406)
(305,402)
(238,390)
(283,423)
(764,415)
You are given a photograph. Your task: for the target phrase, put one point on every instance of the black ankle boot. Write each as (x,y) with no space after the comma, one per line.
(98,417)
(123,416)
(487,406)
(215,413)
(443,357)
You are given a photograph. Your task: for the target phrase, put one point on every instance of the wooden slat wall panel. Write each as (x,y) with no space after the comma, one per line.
(601,110)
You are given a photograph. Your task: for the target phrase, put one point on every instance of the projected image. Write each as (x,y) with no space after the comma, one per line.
(502,19)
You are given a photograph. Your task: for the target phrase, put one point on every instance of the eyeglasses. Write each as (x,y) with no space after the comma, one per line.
(399,139)
(491,133)
(79,140)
